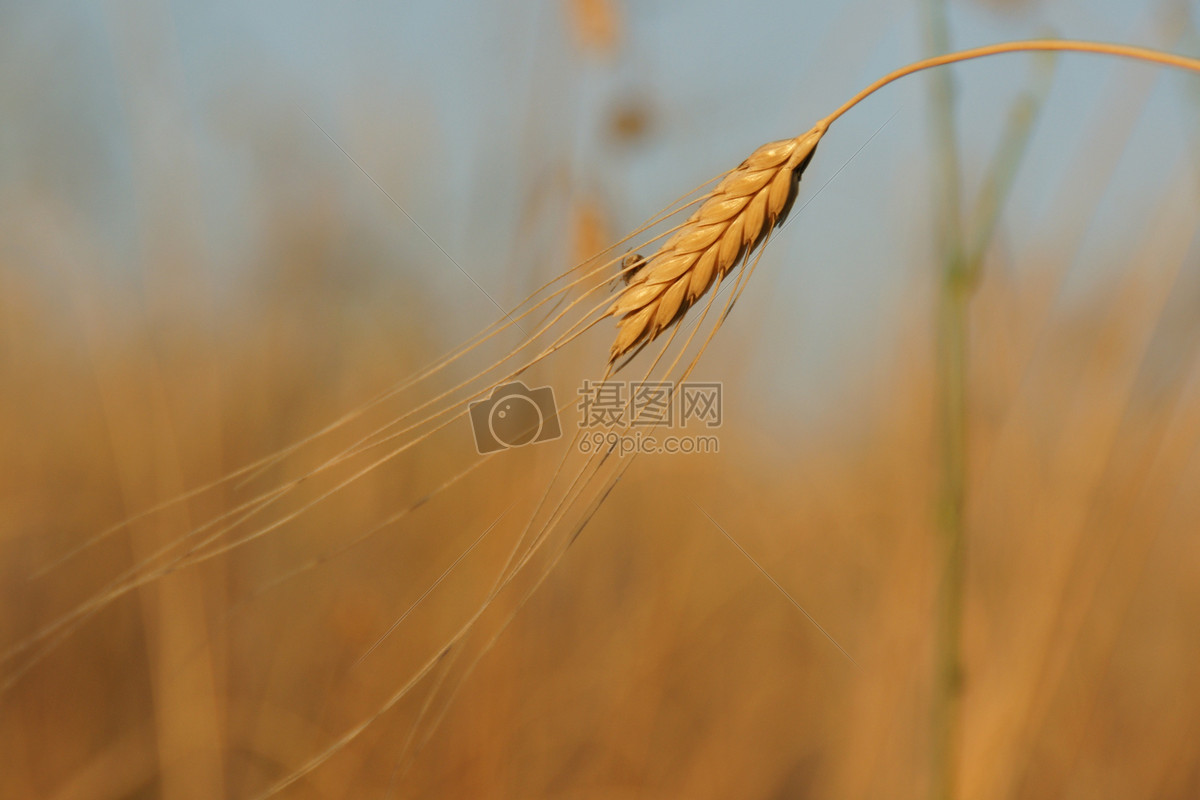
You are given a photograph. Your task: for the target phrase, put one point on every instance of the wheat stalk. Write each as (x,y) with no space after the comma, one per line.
(752,199)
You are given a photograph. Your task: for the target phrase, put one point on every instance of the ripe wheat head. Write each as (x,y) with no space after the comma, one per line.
(731,222)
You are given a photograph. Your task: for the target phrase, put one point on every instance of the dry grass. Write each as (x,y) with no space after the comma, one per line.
(661,665)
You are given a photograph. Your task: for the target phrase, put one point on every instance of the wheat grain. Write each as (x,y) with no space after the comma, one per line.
(732,221)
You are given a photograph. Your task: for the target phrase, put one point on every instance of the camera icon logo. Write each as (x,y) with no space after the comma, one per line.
(514,415)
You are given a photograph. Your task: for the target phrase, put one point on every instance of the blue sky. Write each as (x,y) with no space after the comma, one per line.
(141,114)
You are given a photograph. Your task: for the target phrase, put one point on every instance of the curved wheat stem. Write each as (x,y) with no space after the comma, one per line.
(756,196)
(1028,46)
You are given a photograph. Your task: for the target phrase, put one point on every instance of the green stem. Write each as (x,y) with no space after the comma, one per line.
(952,332)
(952,336)
(998,181)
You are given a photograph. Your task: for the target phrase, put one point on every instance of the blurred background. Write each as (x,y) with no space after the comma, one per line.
(224,225)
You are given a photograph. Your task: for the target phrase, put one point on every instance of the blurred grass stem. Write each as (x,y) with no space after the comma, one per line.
(953,323)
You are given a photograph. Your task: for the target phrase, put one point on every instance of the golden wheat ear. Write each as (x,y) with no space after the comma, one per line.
(732,221)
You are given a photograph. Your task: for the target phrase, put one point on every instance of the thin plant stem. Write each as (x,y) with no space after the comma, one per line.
(1028,46)
(952,365)
(954,296)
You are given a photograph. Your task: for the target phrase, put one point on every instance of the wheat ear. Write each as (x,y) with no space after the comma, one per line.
(731,222)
